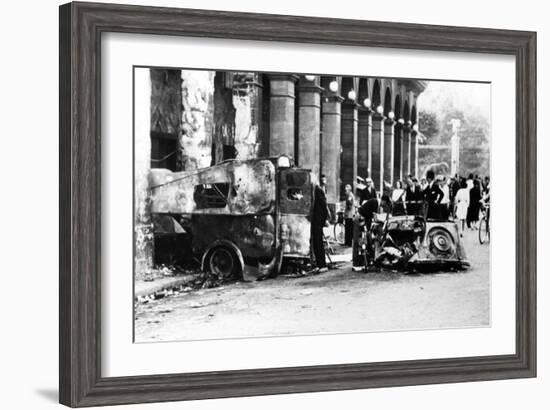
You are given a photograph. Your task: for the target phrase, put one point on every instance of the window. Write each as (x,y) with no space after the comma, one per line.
(211,195)
(294,194)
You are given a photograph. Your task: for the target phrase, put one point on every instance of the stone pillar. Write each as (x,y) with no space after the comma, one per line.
(398,152)
(247,100)
(389,147)
(406,144)
(309,125)
(281,114)
(348,159)
(414,154)
(364,142)
(330,144)
(377,164)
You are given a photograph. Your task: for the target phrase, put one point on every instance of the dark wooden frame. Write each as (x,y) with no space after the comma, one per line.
(81,26)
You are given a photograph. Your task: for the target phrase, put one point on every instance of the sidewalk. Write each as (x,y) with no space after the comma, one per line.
(145,288)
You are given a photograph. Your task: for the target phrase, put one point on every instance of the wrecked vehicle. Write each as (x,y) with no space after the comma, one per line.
(412,240)
(254,212)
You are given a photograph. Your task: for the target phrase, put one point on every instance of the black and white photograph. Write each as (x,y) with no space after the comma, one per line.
(284,204)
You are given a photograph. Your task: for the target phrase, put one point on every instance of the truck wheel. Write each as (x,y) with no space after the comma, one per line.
(224,263)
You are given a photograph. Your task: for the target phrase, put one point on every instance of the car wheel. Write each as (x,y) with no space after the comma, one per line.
(224,263)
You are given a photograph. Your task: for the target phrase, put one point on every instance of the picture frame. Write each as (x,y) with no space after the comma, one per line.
(81,27)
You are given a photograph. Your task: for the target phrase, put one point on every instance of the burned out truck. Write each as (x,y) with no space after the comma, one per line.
(254,212)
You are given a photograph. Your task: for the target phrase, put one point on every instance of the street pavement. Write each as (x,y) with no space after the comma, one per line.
(338,301)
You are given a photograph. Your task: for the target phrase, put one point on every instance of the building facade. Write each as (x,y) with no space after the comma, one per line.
(342,127)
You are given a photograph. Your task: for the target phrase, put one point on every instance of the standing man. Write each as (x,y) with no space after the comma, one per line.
(323,183)
(369,192)
(349,212)
(319,218)
(433,195)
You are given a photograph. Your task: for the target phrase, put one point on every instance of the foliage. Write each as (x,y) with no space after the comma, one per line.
(474,134)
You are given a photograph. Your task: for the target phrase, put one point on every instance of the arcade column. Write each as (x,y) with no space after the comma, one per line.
(377,150)
(389,148)
(331,109)
(281,114)
(414,153)
(398,151)
(309,124)
(364,142)
(348,159)
(406,149)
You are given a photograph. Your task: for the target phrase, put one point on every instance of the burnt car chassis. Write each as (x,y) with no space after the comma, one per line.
(415,237)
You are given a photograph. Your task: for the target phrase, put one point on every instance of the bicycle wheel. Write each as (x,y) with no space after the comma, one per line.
(483,232)
(339,233)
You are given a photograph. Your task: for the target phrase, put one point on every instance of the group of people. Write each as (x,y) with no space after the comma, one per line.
(456,197)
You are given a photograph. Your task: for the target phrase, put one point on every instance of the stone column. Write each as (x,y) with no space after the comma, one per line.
(330,144)
(377,164)
(281,114)
(398,152)
(364,142)
(406,144)
(414,154)
(389,147)
(348,159)
(309,125)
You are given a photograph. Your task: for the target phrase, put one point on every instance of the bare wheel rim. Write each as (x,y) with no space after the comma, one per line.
(222,262)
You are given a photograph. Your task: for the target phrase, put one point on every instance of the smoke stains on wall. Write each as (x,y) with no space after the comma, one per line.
(197,119)
(223,138)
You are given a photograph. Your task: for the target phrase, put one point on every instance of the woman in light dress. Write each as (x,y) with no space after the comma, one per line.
(398,198)
(462,201)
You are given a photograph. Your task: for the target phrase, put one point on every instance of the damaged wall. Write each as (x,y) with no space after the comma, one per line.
(247,100)
(143,228)
(194,119)
(197,119)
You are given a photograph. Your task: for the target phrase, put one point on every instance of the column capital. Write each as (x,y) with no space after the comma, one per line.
(377,117)
(283,77)
(350,104)
(333,98)
(309,88)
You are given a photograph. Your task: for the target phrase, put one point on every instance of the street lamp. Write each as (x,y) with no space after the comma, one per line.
(367,103)
(391,115)
(380,110)
(351,94)
(333,86)
(401,121)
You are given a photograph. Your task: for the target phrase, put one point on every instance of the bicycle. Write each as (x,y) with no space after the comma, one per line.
(484,232)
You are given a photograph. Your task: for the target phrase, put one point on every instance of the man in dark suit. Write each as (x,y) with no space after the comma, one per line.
(433,195)
(319,218)
(369,192)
